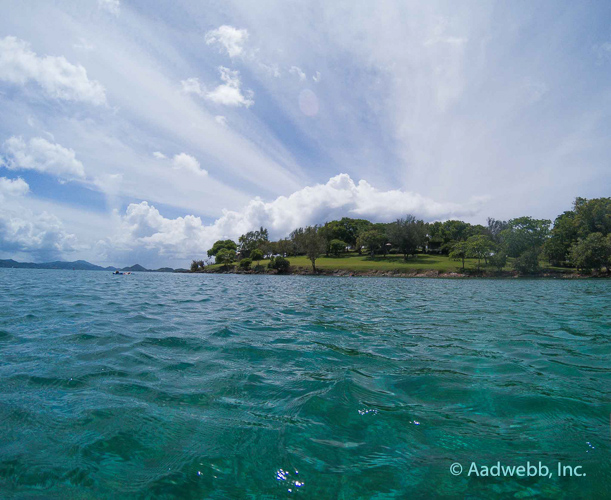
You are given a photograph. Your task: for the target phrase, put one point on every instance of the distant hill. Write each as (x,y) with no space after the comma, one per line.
(135,267)
(78,265)
(164,270)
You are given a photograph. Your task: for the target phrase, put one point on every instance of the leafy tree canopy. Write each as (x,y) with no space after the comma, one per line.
(374,240)
(256,254)
(407,234)
(220,245)
(337,246)
(252,240)
(525,233)
(225,256)
(592,252)
(593,216)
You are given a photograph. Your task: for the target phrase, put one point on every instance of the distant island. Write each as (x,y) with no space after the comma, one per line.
(78,265)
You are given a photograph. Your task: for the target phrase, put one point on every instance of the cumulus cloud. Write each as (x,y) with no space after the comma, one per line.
(143,226)
(296,70)
(221,120)
(229,39)
(43,156)
(57,77)
(187,237)
(112,6)
(228,93)
(41,235)
(13,187)
(183,161)
(187,162)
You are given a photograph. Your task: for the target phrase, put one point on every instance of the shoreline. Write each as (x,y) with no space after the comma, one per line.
(430,274)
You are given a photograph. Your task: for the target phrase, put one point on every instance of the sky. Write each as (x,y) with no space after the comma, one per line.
(141,132)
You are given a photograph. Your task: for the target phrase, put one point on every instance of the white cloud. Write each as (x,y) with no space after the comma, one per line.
(316,77)
(230,93)
(43,156)
(112,6)
(193,86)
(144,226)
(13,187)
(296,70)
(228,38)
(221,120)
(187,237)
(187,162)
(57,77)
(41,235)
(183,161)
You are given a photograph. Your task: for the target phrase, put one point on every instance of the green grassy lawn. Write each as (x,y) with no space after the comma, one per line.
(355,262)
(419,263)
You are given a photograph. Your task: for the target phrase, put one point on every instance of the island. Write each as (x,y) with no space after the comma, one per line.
(577,244)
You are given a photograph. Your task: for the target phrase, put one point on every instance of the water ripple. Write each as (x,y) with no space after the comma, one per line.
(204,386)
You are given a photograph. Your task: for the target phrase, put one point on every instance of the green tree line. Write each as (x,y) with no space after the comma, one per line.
(579,238)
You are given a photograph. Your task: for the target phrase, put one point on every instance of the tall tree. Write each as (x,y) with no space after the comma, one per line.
(311,242)
(479,247)
(407,235)
(562,236)
(374,240)
(459,251)
(525,233)
(253,239)
(495,228)
(593,216)
(592,252)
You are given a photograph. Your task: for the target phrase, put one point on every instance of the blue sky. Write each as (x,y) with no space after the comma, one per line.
(137,131)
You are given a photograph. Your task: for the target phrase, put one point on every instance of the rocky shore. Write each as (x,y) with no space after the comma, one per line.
(299,271)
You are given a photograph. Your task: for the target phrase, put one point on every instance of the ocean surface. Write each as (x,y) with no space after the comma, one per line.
(229,386)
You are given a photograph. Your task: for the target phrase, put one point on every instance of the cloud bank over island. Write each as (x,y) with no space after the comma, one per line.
(143,225)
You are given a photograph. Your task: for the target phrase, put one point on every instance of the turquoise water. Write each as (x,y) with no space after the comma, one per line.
(204,386)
